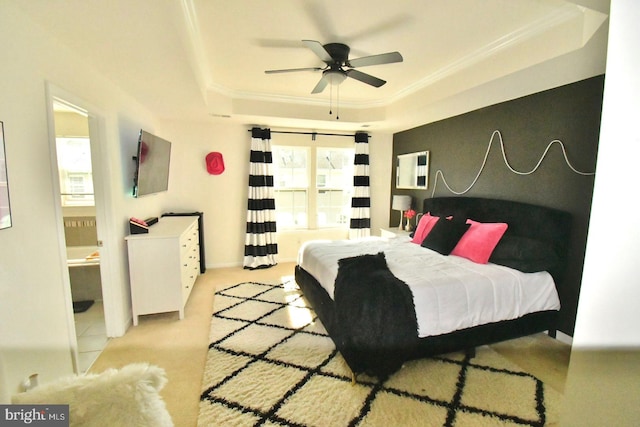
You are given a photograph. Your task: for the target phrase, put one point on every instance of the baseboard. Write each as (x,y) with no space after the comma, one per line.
(224,265)
(281,260)
(239,264)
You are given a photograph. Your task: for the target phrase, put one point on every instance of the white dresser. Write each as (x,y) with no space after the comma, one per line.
(163,266)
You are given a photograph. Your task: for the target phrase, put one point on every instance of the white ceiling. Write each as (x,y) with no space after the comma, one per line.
(205,59)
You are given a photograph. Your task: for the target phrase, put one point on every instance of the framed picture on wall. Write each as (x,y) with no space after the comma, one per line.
(5,207)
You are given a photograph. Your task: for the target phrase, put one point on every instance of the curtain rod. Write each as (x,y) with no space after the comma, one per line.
(313,134)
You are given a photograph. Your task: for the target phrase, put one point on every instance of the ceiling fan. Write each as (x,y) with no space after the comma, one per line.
(338,65)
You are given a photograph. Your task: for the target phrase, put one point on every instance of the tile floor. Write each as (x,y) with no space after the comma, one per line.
(91,334)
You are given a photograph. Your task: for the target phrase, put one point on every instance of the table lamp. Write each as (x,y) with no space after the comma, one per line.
(401,203)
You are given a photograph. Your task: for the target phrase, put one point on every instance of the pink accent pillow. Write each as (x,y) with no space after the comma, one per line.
(479,241)
(427,221)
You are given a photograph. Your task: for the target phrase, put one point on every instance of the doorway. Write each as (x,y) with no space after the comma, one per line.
(78,201)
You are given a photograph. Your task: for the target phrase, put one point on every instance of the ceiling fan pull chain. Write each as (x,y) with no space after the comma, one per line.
(338,103)
(330,99)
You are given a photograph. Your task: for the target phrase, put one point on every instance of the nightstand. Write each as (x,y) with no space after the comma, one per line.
(390,233)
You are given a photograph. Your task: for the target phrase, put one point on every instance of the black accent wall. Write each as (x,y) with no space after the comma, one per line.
(457,146)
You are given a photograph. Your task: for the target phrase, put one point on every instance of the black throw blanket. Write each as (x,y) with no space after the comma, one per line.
(375,316)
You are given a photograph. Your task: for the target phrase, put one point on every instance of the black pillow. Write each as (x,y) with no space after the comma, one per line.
(444,235)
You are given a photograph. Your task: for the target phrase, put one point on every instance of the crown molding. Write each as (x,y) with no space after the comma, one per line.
(558,17)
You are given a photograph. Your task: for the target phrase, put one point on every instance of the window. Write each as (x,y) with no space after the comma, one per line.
(313,186)
(74,166)
(334,186)
(291,184)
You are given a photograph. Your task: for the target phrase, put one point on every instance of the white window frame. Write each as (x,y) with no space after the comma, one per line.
(291,189)
(71,195)
(326,142)
(324,187)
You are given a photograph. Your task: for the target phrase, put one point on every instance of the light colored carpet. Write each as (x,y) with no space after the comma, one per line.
(269,363)
(180,346)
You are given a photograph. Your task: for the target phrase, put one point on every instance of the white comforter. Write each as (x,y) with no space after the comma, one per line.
(449,292)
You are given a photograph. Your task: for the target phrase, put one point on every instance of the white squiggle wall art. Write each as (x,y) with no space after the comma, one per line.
(506,162)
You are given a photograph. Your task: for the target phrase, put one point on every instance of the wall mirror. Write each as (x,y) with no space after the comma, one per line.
(412,170)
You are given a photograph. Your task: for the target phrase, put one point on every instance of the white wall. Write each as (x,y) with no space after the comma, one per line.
(35,328)
(223,198)
(603,385)
(610,295)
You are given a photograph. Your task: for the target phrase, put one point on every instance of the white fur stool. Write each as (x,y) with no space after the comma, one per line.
(128,396)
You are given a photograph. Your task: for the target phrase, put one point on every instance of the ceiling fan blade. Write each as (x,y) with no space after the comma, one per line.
(324,81)
(319,50)
(291,70)
(365,78)
(383,58)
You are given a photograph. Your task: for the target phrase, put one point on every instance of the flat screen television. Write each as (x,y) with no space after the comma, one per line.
(152,165)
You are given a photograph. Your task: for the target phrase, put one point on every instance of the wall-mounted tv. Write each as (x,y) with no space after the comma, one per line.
(152,165)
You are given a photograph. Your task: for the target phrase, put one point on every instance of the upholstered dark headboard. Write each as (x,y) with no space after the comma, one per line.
(540,231)
(524,219)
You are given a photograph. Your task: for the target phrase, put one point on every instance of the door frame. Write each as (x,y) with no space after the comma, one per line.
(103,202)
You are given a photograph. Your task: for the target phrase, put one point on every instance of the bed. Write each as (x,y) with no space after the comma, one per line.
(387,301)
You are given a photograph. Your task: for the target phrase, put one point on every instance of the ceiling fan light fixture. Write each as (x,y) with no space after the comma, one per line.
(336,58)
(335,77)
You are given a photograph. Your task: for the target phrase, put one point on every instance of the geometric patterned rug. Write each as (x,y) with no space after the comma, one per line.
(271,363)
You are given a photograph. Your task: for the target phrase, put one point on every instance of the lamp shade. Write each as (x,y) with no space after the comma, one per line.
(401,203)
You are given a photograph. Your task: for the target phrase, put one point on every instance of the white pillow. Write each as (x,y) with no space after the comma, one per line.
(129,396)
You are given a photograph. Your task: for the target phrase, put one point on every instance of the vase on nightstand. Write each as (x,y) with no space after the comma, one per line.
(408,227)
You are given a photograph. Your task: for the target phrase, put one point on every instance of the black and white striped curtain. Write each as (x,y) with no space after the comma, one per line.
(360,225)
(260,247)
(421,180)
